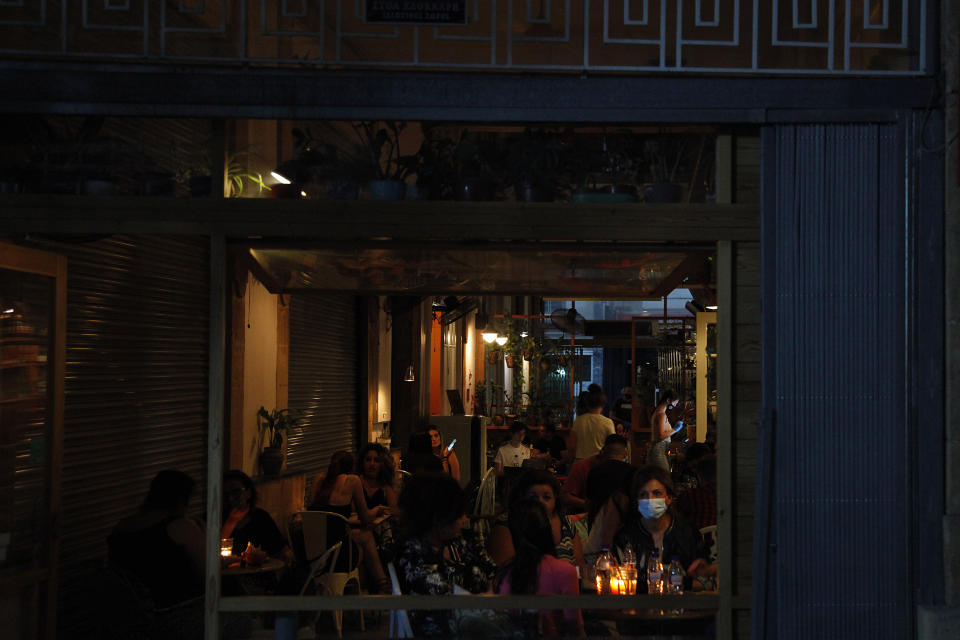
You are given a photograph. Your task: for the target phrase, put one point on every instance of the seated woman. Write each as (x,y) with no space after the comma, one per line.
(245,522)
(419,457)
(377,475)
(436,556)
(537,571)
(340,491)
(542,486)
(654,525)
(446,454)
(608,490)
(173,569)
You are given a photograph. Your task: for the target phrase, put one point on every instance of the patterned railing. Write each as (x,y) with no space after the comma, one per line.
(854,37)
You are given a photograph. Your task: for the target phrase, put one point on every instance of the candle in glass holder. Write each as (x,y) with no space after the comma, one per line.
(226,547)
(617,586)
(628,581)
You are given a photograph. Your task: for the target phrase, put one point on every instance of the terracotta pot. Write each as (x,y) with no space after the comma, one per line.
(492,358)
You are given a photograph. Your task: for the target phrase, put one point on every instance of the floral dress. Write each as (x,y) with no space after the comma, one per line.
(424,570)
(564,549)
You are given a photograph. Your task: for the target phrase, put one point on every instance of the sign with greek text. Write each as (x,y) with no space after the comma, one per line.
(416,11)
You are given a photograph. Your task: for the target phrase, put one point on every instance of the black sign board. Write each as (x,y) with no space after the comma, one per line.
(416,11)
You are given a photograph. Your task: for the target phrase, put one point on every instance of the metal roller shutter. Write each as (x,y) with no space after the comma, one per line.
(835,310)
(136,392)
(323,379)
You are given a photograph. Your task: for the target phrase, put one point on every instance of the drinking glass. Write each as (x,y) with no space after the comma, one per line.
(628,577)
(226,547)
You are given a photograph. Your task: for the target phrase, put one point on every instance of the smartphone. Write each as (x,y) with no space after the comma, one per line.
(450,446)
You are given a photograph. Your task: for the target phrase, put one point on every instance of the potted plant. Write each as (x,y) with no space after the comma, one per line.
(493,353)
(602,169)
(198,175)
(513,349)
(273,425)
(532,164)
(321,168)
(387,168)
(667,161)
(434,166)
(477,160)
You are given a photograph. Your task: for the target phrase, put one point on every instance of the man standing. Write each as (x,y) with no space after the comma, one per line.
(591,429)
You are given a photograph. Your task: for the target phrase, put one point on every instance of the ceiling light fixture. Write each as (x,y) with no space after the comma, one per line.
(489,336)
(501,340)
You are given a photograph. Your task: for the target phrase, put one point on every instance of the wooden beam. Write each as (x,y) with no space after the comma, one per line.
(692,262)
(341,221)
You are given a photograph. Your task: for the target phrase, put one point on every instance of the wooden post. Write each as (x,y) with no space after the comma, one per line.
(216,359)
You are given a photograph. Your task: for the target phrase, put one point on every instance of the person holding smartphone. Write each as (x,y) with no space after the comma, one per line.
(451,465)
(663,430)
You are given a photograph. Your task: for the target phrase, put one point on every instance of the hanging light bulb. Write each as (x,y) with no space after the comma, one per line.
(409,377)
(489,336)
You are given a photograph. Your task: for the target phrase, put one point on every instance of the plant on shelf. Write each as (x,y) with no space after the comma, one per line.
(669,161)
(238,175)
(532,163)
(273,426)
(434,164)
(478,160)
(387,168)
(197,175)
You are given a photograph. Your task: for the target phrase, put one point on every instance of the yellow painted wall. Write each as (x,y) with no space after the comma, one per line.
(260,366)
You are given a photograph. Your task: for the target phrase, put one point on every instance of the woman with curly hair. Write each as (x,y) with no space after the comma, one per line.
(376,470)
(437,557)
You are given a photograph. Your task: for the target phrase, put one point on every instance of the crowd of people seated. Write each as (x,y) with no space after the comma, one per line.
(543,539)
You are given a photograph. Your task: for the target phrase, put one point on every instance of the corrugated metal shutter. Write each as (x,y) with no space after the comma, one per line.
(136,392)
(323,381)
(836,313)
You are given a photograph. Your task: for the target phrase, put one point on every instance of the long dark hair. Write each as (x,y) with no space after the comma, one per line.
(532,539)
(387,471)
(341,462)
(429,501)
(667,397)
(169,490)
(244,479)
(603,481)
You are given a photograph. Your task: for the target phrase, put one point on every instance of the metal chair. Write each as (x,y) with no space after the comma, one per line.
(399,623)
(710,536)
(330,569)
(485,505)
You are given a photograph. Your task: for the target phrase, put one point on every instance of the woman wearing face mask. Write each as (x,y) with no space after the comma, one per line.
(654,525)
(663,430)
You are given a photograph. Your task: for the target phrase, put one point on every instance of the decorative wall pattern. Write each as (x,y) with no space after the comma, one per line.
(861,37)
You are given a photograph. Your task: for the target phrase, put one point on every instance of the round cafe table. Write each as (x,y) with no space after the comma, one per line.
(270,565)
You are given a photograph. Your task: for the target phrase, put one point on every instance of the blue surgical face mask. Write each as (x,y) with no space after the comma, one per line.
(651,507)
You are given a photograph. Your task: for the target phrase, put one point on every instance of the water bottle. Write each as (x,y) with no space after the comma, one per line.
(628,571)
(606,569)
(654,573)
(676,576)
